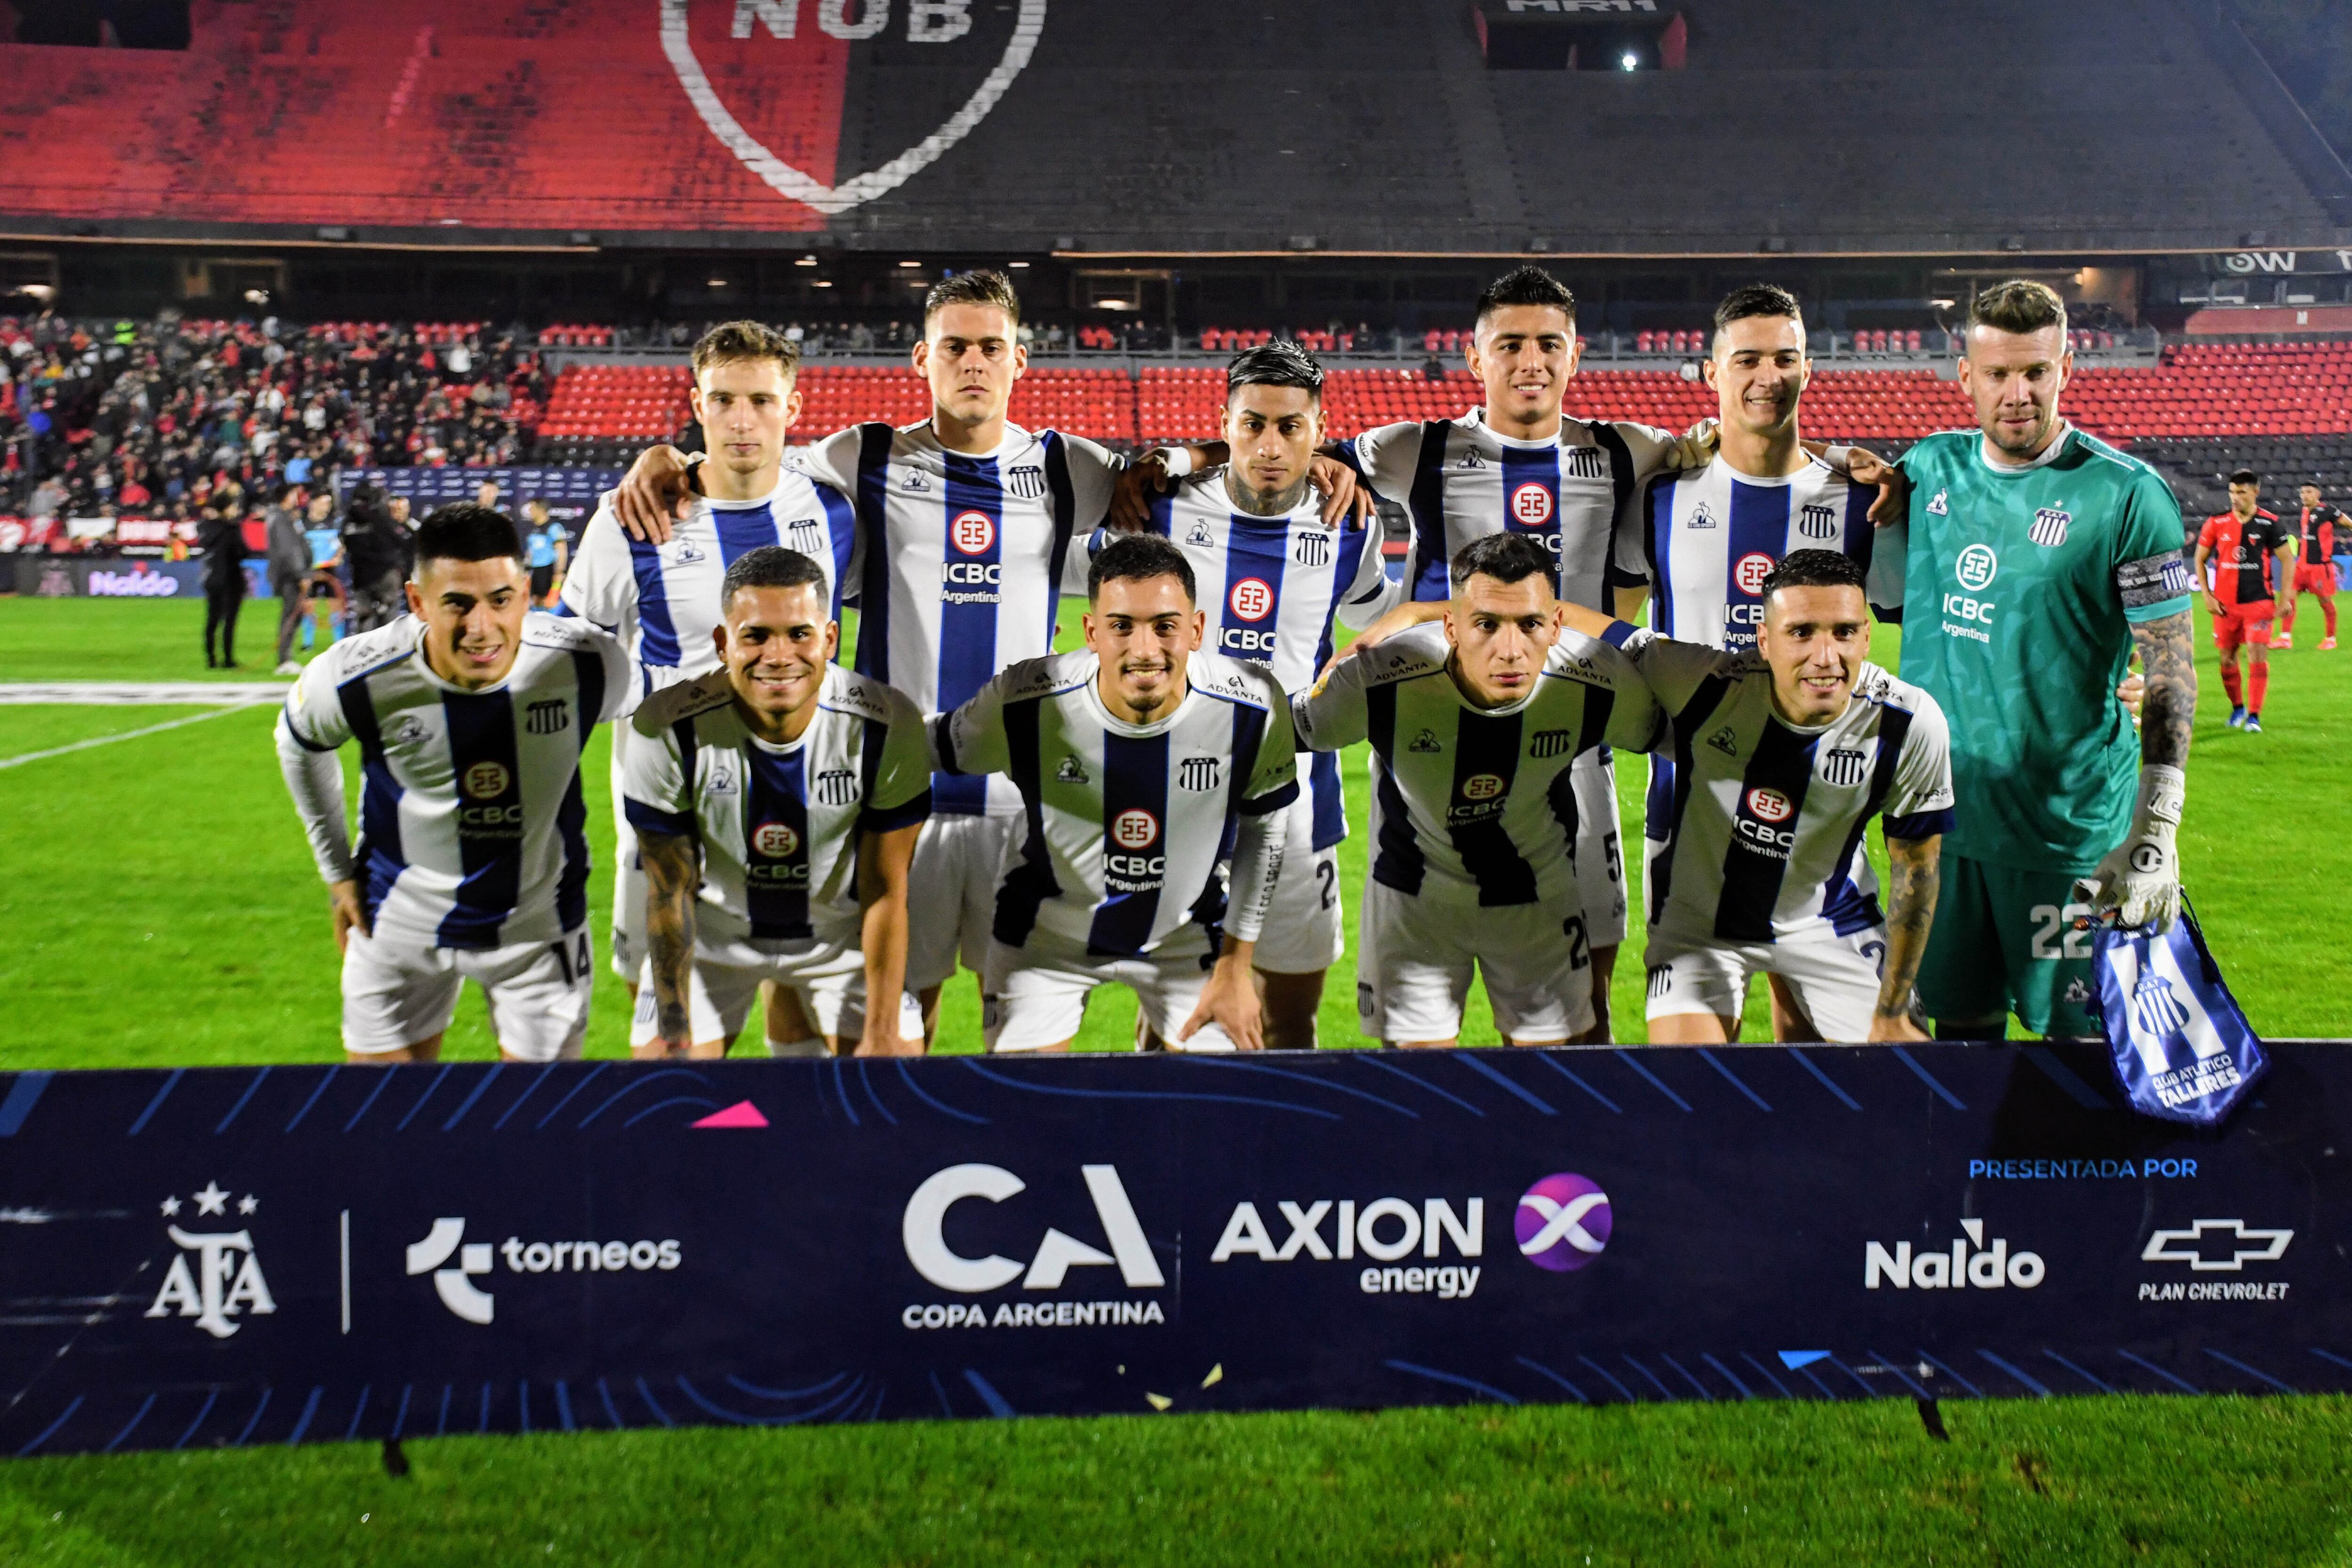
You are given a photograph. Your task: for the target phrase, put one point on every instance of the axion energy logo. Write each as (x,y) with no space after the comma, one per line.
(1563,1222)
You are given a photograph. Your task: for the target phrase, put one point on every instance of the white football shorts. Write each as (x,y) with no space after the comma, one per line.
(828,978)
(396,995)
(1835,977)
(1417,954)
(960,861)
(1035,995)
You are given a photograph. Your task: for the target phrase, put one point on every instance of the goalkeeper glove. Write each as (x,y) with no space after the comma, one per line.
(2139,881)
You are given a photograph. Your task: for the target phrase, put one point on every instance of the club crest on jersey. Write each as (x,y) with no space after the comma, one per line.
(1585,463)
(1198,774)
(1198,537)
(835,786)
(1425,741)
(1134,828)
(486,781)
(1531,505)
(1071,771)
(1940,507)
(807,535)
(1724,741)
(775,840)
(1027,481)
(2049,528)
(1748,575)
(1842,766)
(1702,516)
(548,718)
(1551,742)
(1311,549)
(1814,521)
(972,531)
(1251,599)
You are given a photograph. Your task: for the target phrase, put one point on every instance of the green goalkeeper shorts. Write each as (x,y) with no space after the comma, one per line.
(2004,941)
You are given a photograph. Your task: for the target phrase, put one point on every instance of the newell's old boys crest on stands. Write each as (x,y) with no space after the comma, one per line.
(768,79)
(2182,1048)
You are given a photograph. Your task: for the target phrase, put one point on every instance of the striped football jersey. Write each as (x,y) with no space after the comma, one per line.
(472,830)
(779,824)
(1126,823)
(1763,833)
(1475,804)
(964,561)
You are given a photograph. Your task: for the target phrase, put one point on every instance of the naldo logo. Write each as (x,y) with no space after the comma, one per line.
(1967,1263)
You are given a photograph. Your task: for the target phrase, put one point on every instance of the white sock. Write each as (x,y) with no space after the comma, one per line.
(808,1047)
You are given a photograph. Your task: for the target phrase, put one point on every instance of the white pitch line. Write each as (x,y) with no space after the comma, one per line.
(150,693)
(124,735)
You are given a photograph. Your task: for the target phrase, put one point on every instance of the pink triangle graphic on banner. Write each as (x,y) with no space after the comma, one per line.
(743,1113)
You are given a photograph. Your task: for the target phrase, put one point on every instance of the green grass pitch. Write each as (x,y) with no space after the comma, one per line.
(157,906)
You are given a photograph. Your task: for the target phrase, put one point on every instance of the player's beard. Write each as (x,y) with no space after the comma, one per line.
(1146,703)
(2042,428)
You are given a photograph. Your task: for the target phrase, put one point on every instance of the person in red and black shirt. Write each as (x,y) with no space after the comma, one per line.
(2320,530)
(2243,546)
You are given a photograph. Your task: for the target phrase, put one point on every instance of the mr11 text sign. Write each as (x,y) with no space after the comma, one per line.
(224,1256)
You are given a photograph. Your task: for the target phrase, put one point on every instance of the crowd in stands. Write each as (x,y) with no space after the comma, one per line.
(151,418)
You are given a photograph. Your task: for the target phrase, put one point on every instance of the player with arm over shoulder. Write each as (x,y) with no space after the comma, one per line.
(1273,575)
(1474,726)
(2037,559)
(1781,756)
(2319,527)
(1143,765)
(791,791)
(662,599)
(470,715)
(2241,554)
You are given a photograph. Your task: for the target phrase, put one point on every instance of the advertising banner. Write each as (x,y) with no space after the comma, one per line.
(224,1256)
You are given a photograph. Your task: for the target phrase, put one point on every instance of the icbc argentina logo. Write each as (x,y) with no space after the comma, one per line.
(1134,829)
(1768,805)
(486,781)
(1482,786)
(972,532)
(1531,505)
(1749,574)
(776,57)
(776,840)
(1251,599)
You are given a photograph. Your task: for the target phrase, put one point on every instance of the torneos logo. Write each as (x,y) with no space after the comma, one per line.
(1134,828)
(972,532)
(1768,805)
(486,781)
(776,840)
(1531,505)
(1562,1222)
(1977,567)
(1749,574)
(1482,786)
(1251,599)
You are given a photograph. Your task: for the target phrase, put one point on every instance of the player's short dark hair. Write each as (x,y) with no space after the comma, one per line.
(1278,363)
(735,342)
(981,286)
(769,566)
(1139,557)
(1527,285)
(2311,485)
(467,530)
(2244,476)
(2019,305)
(1757,299)
(1505,557)
(1812,568)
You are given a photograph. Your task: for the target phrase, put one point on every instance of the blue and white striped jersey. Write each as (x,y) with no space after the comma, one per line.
(964,561)
(1272,586)
(1763,832)
(1476,803)
(1704,538)
(779,825)
(471,823)
(1126,823)
(1462,481)
(662,600)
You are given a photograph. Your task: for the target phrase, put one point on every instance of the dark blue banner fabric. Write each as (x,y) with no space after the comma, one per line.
(217,1257)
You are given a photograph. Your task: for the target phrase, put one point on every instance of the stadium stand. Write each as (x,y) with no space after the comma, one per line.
(1388,133)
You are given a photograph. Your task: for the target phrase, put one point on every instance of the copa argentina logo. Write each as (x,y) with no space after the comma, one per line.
(922,1231)
(1968,1264)
(227,1281)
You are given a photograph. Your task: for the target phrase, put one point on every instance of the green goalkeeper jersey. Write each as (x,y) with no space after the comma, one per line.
(2020,588)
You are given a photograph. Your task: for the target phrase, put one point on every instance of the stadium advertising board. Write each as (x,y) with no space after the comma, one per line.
(224,1256)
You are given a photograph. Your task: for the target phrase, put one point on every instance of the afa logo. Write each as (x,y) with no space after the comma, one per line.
(1563,1222)
(972,532)
(800,49)
(1748,575)
(1531,505)
(227,1281)
(1134,828)
(775,840)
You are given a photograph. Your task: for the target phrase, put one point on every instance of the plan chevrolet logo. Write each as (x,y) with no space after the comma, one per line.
(2189,1247)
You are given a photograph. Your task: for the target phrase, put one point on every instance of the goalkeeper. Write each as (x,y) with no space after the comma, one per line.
(2038,557)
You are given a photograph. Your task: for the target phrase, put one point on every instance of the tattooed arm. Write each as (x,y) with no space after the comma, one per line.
(1911,910)
(2171,705)
(671,876)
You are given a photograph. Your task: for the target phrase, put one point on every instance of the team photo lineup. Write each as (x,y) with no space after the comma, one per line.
(1157,806)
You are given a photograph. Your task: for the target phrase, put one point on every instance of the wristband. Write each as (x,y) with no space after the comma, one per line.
(2163,790)
(1177,460)
(1838,458)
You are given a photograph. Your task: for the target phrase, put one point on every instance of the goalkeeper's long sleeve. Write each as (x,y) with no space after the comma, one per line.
(315,778)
